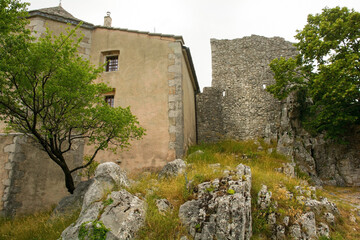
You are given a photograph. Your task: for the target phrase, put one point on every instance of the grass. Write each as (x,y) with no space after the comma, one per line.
(35,227)
(177,190)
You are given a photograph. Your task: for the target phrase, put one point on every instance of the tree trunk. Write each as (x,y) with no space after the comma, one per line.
(69,182)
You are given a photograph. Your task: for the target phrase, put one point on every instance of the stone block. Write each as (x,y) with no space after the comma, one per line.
(10,148)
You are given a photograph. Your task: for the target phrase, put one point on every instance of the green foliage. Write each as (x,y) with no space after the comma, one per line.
(260,226)
(108,201)
(198,227)
(96,231)
(89,171)
(231,191)
(12,17)
(326,71)
(48,92)
(210,189)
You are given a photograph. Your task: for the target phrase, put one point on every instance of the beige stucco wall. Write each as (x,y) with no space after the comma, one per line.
(38,26)
(29,180)
(189,106)
(141,82)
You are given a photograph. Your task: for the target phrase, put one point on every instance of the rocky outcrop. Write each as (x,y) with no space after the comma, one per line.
(105,207)
(264,197)
(299,226)
(222,208)
(326,161)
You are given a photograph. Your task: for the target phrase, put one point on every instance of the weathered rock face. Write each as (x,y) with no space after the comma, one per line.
(172,169)
(264,197)
(222,209)
(302,226)
(332,163)
(120,212)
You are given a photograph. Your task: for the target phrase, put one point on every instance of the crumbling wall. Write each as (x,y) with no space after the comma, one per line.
(29,180)
(241,73)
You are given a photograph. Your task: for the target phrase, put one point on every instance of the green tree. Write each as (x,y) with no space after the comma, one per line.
(48,93)
(12,17)
(326,71)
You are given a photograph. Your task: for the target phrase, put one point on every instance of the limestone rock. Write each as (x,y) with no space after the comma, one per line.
(280,232)
(264,197)
(308,226)
(108,177)
(295,232)
(271,219)
(73,201)
(321,205)
(222,209)
(172,169)
(119,211)
(323,230)
(124,215)
(286,220)
(163,205)
(288,169)
(111,172)
(330,218)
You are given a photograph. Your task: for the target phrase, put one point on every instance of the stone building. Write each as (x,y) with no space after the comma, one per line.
(152,73)
(237,105)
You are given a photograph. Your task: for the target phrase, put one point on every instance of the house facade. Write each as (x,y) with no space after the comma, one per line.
(152,73)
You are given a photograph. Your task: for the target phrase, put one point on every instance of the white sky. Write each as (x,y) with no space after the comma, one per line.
(199,20)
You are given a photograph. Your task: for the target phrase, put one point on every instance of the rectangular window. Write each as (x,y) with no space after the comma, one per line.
(110,100)
(112,63)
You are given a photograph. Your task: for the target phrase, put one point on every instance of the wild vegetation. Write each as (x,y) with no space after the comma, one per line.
(260,156)
(326,72)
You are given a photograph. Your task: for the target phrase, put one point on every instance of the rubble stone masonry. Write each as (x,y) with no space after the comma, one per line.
(237,105)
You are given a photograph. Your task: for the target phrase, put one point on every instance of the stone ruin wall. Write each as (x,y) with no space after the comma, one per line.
(237,105)
(29,180)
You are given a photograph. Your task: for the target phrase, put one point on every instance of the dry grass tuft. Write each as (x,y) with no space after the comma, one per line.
(35,227)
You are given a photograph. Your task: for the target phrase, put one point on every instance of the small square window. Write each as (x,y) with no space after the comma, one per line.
(110,100)
(112,63)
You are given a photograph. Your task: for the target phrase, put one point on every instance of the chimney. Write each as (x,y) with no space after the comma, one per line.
(107,20)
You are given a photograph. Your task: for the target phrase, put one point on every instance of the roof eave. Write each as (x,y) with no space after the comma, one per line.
(192,68)
(37,13)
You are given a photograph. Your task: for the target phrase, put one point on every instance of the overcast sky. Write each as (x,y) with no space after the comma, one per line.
(199,20)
